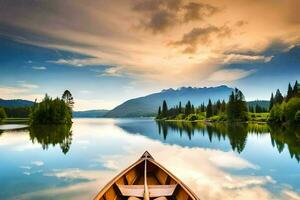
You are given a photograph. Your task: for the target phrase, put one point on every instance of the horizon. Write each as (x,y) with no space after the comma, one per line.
(131,49)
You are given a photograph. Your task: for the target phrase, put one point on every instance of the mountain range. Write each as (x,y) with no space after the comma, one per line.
(148,105)
(15,103)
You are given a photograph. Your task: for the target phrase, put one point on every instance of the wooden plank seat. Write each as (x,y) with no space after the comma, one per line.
(154,190)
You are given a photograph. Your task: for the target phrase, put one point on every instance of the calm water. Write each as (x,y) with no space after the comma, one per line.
(217,162)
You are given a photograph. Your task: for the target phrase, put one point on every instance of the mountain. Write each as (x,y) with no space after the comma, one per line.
(89,113)
(148,105)
(262,103)
(15,103)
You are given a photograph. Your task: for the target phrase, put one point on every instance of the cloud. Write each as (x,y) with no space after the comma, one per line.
(229,75)
(29,86)
(158,15)
(113,71)
(39,68)
(200,36)
(106,33)
(197,11)
(241,58)
(76,62)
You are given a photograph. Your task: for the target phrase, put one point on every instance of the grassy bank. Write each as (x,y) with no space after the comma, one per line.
(252,117)
(15,120)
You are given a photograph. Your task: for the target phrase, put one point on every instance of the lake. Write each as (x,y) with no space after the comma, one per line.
(217,162)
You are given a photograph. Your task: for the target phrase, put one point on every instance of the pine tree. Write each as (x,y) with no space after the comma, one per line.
(237,106)
(223,106)
(289,93)
(209,109)
(68,98)
(180,107)
(188,108)
(193,109)
(296,89)
(159,112)
(164,112)
(278,97)
(271,102)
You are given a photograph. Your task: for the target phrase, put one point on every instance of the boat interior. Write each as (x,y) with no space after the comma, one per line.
(145,180)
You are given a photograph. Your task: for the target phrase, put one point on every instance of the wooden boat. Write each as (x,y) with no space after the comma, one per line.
(145,179)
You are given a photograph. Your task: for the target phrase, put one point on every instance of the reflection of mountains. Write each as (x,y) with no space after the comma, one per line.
(222,136)
(52,135)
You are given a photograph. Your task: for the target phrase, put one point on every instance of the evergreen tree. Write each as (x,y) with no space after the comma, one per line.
(193,109)
(188,108)
(237,106)
(164,112)
(223,106)
(278,97)
(289,93)
(68,98)
(218,106)
(202,107)
(271,101)
(209,109)
(180,107)
(159,112)
(296,89)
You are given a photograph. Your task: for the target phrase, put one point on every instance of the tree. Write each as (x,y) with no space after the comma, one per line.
(209,109)
(271,101)
(296,89)
(180,107)
(278,97)
(68,98)
(159,112)
(188,108)
(164,112)
(237,107)
(2,114)
(289,93)
(51,111)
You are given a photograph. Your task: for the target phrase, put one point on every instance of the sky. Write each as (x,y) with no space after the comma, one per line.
(106,52)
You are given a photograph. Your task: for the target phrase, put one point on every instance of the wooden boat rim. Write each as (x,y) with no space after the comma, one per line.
(150,159)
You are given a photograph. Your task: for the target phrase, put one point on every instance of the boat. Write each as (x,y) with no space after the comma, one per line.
(145,179)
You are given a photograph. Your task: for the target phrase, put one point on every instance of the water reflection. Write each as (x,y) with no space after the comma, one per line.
(52,135)
(236,133)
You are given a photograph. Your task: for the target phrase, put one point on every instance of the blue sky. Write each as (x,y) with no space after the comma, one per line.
(130,49)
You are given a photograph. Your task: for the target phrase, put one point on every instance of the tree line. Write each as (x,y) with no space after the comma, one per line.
(286,108)
(235,109)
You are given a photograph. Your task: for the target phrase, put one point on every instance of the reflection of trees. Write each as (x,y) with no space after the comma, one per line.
(290,136)
(52,135)
(237,133)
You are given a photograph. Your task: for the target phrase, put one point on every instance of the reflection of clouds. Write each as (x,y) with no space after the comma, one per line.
(290,194)
(37,163)
(76,173)
(229,160)
(205,171)
(16,142)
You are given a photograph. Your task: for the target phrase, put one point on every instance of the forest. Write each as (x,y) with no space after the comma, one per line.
(282,109)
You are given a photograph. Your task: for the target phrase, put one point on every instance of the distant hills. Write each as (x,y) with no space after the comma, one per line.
(15,103)
(89,113)
(148,105)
